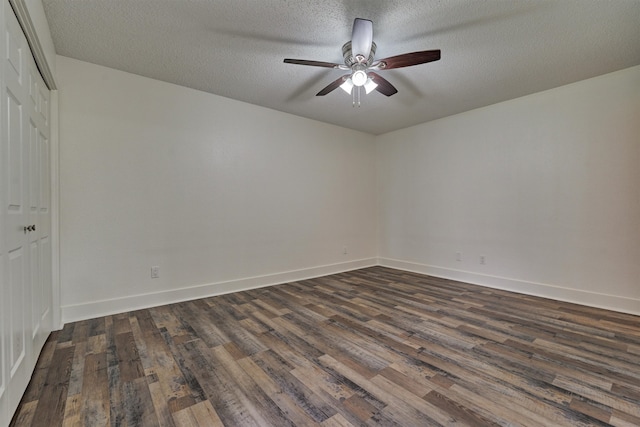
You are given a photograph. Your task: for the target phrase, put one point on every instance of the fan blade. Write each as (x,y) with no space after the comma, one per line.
(333,86)
(361,38)
(409,59)
(384,87)
(312,63)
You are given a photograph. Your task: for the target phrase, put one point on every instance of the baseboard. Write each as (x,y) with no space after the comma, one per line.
(577,296)
(72,313)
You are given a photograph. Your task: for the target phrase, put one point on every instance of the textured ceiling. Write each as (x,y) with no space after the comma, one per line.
(492,50)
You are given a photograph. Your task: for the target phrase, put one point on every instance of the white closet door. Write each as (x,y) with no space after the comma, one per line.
(25,249)
(39,215)
(16,251)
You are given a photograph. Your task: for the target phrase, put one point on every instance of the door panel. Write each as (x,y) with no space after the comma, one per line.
(15,166)
(45,285)
(17,324)
(35,293)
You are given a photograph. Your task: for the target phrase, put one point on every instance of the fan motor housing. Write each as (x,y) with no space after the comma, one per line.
(350,61)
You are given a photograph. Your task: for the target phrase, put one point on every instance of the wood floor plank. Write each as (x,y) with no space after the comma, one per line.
(24,416)
(279,370)
(200,414)
(128,358)
(205,415)
(457,410)
(160,404)
(260,401)
(73,410)
(52,400)
(296,410)
(227,399)
(139,407)
(338,420)
(370,347)
(410,409)
(323,383)
(95,391)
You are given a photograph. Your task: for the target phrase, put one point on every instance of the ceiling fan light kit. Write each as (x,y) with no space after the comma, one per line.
(358,54)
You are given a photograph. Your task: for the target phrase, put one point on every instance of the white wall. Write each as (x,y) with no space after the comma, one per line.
(224,195)
(215,192)
(546,187)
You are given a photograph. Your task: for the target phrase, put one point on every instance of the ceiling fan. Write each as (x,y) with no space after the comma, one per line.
(359,61)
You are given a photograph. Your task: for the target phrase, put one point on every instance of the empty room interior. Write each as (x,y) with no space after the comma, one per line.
(337,213)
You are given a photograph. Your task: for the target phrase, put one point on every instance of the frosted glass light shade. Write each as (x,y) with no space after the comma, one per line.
(359,78)
(370,85)
(347,86)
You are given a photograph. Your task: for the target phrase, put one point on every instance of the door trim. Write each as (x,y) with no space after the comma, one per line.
(29,30)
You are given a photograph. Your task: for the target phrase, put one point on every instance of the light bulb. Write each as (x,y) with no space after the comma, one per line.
(359,78)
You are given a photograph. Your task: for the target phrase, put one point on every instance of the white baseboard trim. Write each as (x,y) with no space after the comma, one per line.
(73,313)
(576,296)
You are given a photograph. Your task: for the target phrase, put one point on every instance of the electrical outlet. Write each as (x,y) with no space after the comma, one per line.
(483,261)
(155,272)
(458,256)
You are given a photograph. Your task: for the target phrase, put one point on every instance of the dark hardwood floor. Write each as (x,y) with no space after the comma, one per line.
(370,347)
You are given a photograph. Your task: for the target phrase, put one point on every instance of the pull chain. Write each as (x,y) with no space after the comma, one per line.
(356,98)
